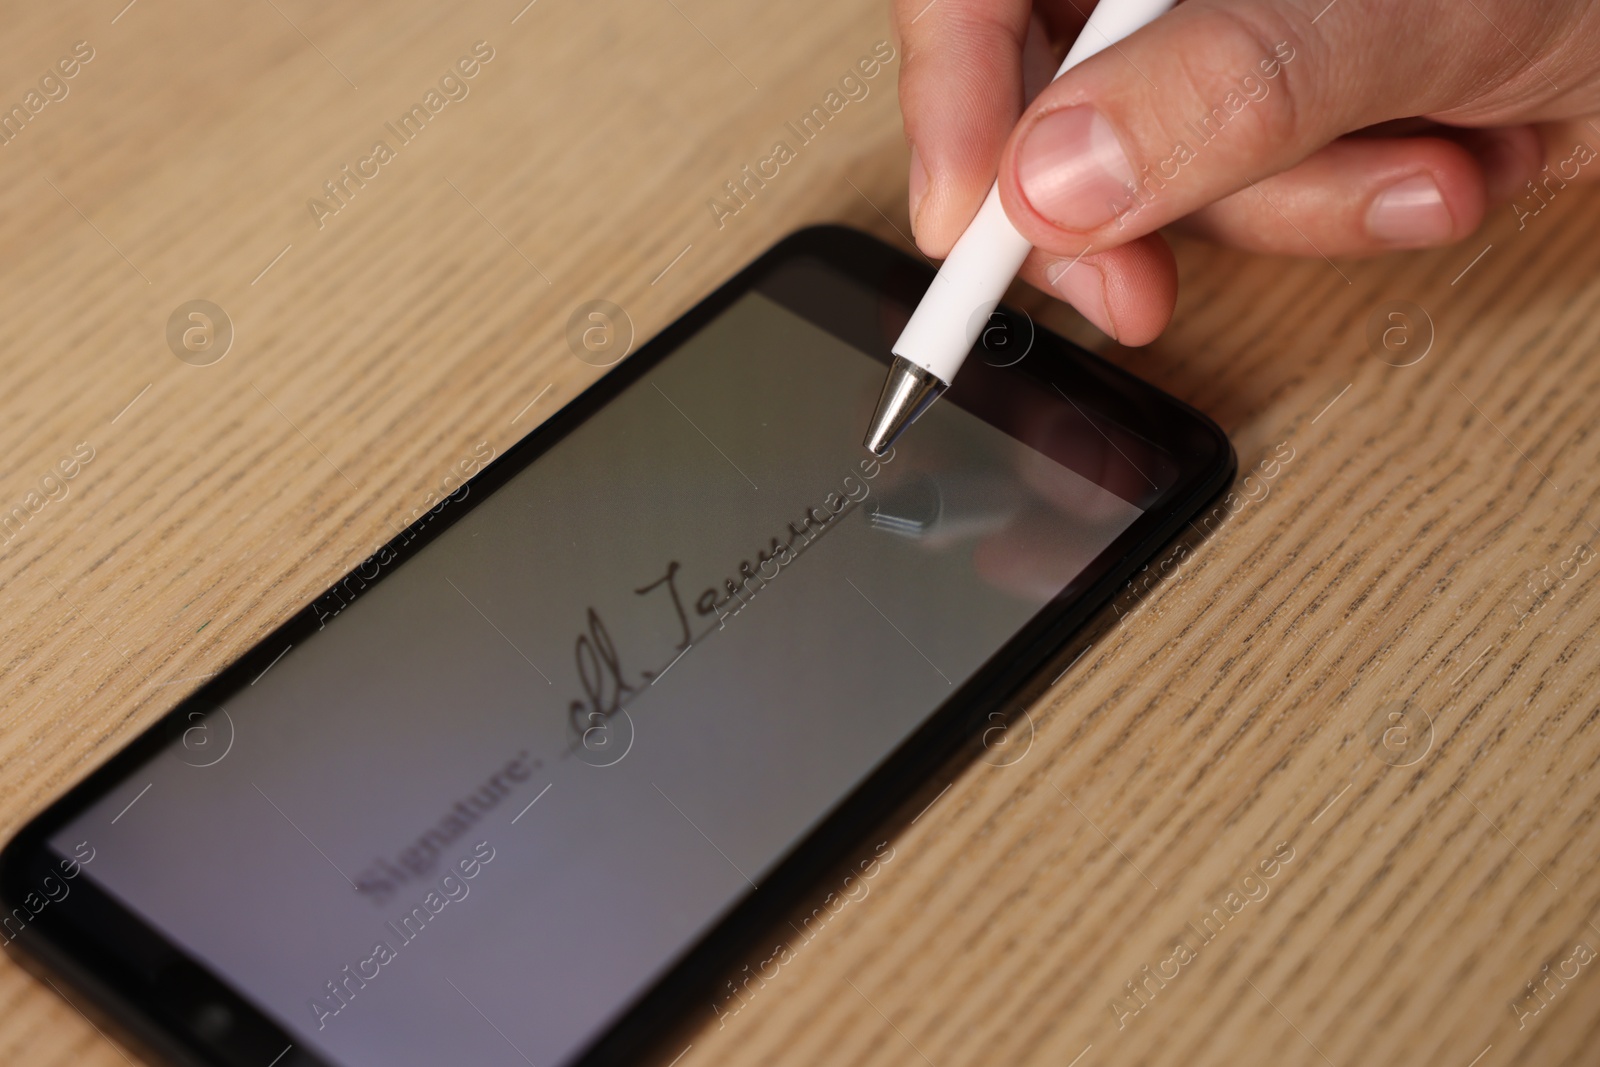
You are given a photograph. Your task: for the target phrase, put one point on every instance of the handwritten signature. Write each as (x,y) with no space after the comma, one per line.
(608,686)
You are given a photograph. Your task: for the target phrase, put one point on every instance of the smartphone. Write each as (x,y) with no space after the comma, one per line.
(523,785)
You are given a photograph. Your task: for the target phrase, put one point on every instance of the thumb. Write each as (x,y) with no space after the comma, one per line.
(1218,95)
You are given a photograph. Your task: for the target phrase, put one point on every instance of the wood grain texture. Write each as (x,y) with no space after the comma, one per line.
(1225,713)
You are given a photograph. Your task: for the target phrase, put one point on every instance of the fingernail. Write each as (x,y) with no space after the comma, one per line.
(1411,214)
(918,184)
(1084,287)
(1073,170)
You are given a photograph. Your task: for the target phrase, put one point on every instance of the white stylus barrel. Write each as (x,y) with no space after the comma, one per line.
(957,306)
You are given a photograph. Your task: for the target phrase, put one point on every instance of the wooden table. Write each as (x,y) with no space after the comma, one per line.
(1374,681)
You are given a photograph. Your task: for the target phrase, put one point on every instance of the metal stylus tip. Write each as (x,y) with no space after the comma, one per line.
(907,394)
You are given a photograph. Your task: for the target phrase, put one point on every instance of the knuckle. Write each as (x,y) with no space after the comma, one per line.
(1248,83)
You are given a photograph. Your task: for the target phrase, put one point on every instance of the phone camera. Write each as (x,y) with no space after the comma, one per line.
(212,1021)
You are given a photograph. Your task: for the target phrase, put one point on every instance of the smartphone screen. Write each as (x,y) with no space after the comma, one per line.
(483,806)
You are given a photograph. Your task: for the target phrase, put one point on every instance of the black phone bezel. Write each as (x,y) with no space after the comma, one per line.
(153,993)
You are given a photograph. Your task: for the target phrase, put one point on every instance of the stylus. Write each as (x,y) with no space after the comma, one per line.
(985,259)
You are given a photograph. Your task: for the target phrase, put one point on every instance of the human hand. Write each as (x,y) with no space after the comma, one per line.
(1297,127)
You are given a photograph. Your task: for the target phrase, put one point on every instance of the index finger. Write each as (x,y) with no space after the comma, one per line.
(961,93)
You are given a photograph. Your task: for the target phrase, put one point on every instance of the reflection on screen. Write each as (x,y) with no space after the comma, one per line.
(498,795)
